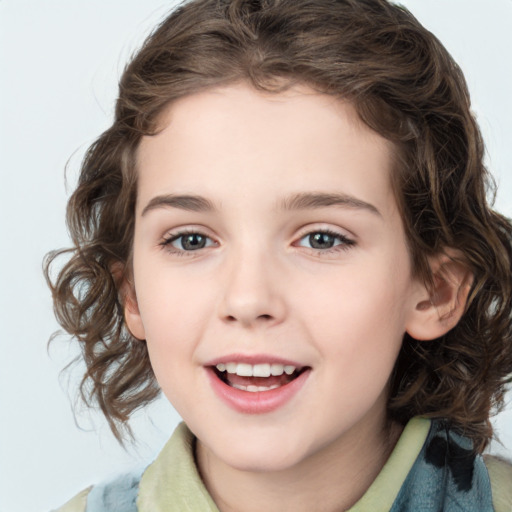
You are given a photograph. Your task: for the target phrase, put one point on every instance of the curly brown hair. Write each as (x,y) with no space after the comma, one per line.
(405,86)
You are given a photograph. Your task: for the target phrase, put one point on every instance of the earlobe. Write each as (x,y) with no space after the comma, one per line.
(439,308)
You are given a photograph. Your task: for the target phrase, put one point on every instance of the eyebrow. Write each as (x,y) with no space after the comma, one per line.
(312,200)
(184,202)
(300,201)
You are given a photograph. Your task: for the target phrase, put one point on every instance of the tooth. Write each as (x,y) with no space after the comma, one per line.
(261,370)
(258,370)
(244,370)
(254,389)
(276,369)
(289,369)
(268,388)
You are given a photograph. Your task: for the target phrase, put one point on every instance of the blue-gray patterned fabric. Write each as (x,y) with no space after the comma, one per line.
(446,477)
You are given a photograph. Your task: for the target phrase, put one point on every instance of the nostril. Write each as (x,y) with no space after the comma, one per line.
(231,318)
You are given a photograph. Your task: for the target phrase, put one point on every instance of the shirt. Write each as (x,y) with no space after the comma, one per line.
(430,469)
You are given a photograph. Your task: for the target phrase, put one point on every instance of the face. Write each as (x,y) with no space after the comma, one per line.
(272,279)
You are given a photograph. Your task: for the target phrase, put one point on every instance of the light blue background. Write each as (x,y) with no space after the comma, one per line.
(59,64)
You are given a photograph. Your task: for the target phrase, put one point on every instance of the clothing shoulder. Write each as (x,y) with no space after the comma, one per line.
(171,483)
(500,474)
(115,495)
(76,504)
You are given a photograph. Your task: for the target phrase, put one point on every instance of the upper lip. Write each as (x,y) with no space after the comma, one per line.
(253,359)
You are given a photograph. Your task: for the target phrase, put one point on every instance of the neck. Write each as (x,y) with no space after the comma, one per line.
(332,479)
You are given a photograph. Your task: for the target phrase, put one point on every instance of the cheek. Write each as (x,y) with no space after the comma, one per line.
(359,320)
(170,302)
(361,337)
(175,311)
(352,300)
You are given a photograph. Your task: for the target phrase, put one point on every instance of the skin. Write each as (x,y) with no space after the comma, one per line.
(258,286)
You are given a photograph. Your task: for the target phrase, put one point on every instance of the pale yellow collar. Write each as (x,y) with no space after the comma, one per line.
(172,483)
(382,493)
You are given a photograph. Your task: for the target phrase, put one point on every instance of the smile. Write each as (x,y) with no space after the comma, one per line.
(256,378)
(256,388)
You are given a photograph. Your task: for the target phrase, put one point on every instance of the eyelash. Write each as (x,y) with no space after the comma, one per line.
(166,243)
(344,244)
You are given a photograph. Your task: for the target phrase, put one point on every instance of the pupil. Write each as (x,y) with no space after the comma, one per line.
(193,241)
(321,240)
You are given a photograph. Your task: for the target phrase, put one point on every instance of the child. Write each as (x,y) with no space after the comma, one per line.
(286,231)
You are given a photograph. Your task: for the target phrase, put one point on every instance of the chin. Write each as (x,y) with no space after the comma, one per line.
(262,463)
(262,455)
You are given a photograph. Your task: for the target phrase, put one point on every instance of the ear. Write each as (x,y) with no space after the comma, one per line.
(132,314)
(439,308)
(126,289)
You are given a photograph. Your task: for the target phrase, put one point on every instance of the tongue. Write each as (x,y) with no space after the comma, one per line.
(281,380)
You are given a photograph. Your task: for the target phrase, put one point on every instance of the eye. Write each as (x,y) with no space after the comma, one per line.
(187,242)
(325,240)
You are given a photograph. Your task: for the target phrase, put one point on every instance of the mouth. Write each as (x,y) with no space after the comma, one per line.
(257,378)
(256,384)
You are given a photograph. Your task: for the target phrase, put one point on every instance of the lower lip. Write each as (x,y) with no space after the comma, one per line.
(259,402)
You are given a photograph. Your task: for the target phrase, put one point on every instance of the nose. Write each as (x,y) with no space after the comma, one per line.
(252,294)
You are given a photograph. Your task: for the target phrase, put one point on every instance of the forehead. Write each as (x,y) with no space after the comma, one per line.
(235,141)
